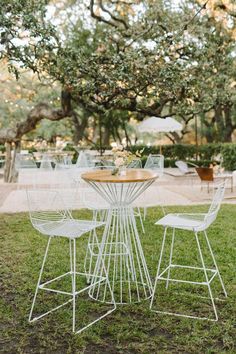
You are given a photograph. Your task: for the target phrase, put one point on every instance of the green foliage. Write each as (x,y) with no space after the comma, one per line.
(2,148)
(207,154)
(229,156)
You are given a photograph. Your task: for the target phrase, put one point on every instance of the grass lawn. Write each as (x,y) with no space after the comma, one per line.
(132,328)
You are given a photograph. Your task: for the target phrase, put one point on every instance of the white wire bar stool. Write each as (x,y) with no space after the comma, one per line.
(195,223)
(50,217)
(155,162)
(121,247)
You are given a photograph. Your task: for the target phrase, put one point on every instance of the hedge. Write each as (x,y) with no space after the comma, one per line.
(202,155)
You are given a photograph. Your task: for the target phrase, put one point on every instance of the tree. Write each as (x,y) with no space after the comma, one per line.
(143,58)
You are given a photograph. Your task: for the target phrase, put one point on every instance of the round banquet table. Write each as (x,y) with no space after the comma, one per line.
(122,257)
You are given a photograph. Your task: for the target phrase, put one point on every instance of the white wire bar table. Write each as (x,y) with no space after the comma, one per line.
(120,245)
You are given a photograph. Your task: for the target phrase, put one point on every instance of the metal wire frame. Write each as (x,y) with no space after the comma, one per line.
(40,219)
(121,248)
(96,280)
(155,162)
(207,219)
(91,200)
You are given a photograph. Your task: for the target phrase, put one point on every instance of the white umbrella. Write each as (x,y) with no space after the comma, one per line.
(159,125)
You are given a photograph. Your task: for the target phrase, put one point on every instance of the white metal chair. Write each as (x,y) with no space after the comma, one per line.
(46,162)
(24,161)
(50,217)
(136,163)
(183,167)
(84,160)
(196,223)
(155,162)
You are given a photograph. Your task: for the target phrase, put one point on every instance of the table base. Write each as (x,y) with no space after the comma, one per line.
(123,258)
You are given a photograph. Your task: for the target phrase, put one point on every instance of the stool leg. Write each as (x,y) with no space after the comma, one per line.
(39,279)
(71,262)
(215,264)
(163,210)
(206,276)
(140,218)
(144,213)
(74,283)
(158,268)
(170,259)
(89,256)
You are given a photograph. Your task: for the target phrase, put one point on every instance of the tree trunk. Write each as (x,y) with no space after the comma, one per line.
(11,137)
(219,122)
(106,137)
(229,128)
(79,128)
(10,173)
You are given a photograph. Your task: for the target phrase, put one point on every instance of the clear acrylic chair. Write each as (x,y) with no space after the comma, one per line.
(155,162)
(195,223)
(50,217)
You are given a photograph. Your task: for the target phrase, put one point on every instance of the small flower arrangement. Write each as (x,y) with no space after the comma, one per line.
(122,158)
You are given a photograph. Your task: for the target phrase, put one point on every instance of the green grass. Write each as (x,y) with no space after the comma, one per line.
(132,328)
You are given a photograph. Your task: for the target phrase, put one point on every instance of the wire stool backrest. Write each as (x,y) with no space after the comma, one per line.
(137,163)
(155,162)
(46,206)
(215,204)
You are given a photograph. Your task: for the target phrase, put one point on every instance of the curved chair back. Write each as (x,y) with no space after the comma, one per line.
(155,162)
(24,161)
(46,206)
(215,204)
(83,160)
(137,163)
(46,163)
(182,166)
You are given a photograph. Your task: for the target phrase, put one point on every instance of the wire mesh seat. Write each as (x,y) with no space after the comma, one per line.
(195,222)
(50,217)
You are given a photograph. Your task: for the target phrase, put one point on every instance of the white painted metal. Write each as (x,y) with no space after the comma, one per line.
(136,163)
(155,162)
(196,223)
(121,247)
(53,219)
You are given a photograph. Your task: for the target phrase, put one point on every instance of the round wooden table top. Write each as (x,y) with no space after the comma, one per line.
(131,175)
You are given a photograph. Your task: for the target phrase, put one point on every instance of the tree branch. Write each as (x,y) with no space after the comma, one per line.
(39,112)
